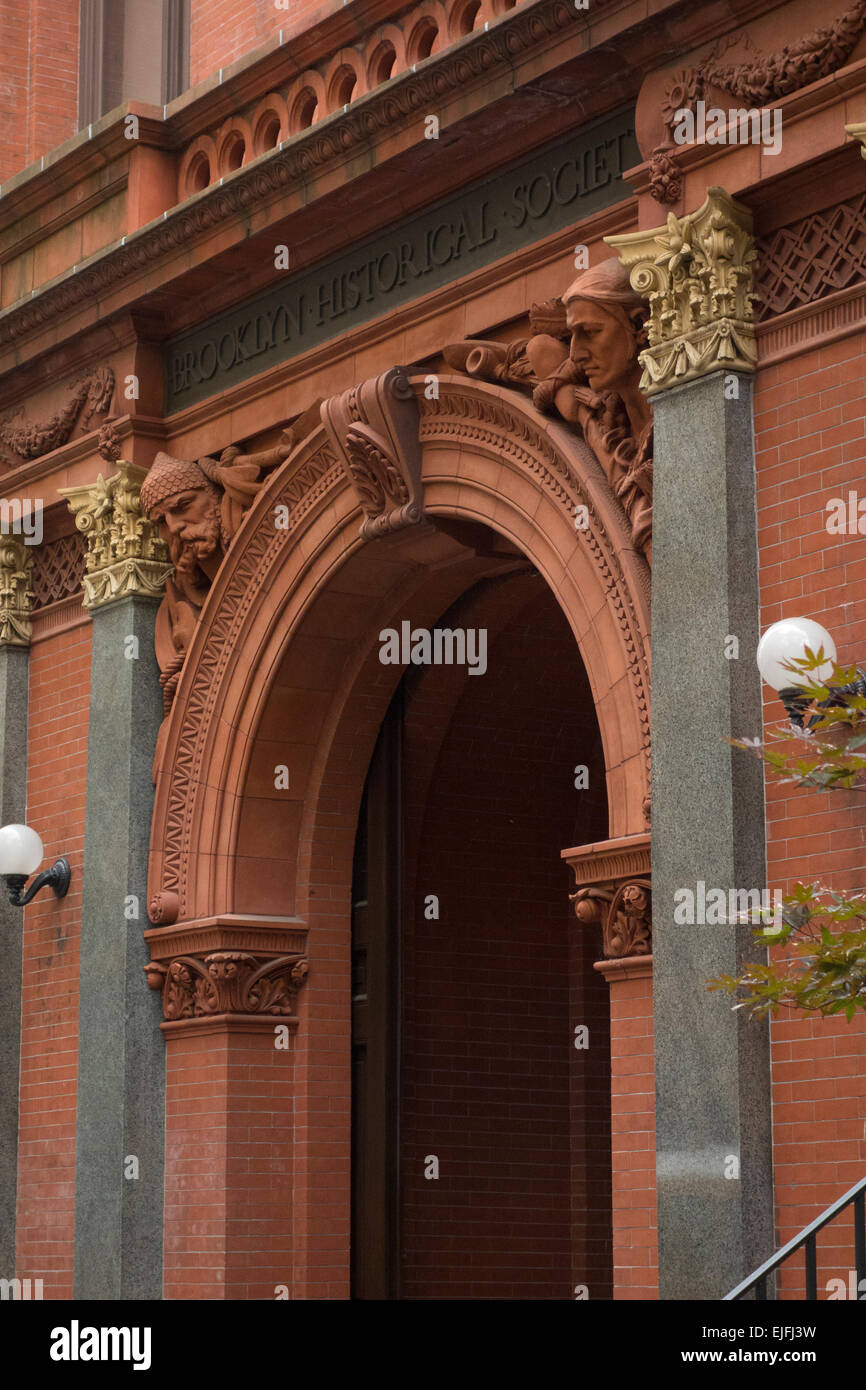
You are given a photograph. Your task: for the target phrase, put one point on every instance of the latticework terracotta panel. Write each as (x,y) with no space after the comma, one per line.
(812,257)
(58,570)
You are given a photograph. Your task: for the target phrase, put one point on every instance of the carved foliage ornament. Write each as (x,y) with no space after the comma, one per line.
(91,397)
(16,595)
(228,982)
(374,430)
(768,78)
(625,913)
(525,31)
(698,273)
(124,554)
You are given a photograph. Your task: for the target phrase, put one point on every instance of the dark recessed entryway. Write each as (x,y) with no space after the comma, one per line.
(470,975)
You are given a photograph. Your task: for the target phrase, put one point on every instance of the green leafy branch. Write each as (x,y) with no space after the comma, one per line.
(825,970)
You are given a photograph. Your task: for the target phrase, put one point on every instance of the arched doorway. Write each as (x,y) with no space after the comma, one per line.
(481,1134)
(284,670)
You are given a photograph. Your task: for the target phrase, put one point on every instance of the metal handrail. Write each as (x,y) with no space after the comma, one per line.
(807,1237)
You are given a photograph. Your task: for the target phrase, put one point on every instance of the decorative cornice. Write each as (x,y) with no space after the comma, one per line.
(260,935)
(608,860)
(301,160)
(16,595)
(698,273)
(125,554)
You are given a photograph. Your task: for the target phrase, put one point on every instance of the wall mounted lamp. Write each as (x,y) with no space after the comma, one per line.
(21,853)
(787,641)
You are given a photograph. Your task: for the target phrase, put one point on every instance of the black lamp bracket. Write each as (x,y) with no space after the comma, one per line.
(57,877)
(796,703)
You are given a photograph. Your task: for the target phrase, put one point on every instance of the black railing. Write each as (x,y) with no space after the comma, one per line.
(808,1239)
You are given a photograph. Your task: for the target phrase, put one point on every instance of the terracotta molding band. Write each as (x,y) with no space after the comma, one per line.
(263,936)
(609,859)
(812,325)
(63,616)
(230,1023)
(625,968)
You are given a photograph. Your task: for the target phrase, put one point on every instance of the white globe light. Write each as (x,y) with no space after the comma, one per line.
(21,850)
(787,641)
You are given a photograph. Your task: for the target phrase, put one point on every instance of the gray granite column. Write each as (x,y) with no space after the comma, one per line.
(121,1057)
(120,1140)
(14,680)
(712,1065)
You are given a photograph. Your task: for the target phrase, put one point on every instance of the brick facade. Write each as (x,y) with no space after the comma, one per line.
(810,425)
(122,247)
(57,743)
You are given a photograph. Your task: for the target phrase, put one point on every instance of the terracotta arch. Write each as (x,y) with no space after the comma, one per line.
(488,457)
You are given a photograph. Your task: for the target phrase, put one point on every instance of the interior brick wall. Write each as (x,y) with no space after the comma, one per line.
(56,780)
(811,446)
(492,1083)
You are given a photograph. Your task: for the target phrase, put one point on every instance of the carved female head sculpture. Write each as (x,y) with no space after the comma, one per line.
(606,318)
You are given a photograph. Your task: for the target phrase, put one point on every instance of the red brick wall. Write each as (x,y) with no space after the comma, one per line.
(228,1139)
(57,771)
(39,84)
(221,31)
(633,1127)
(811,447)
(492,1083)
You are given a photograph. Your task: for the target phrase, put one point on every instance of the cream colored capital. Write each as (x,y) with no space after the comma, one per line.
(125,554)
(697,273)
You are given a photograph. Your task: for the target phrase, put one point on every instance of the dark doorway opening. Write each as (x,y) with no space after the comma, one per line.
(481,1134)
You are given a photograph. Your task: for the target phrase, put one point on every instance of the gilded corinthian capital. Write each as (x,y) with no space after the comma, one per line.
(16,595)
(697,273)
(125,553)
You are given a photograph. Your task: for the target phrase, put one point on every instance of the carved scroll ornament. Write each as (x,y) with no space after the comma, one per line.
(374,430)
(228,982)
(613,890)
(625,914)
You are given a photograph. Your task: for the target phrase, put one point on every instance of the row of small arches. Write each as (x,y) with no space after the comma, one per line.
(314,95)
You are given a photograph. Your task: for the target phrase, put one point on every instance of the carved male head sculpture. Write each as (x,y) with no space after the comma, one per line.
(182,497)
(606,317)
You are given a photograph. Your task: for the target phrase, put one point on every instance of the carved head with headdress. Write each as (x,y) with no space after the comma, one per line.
(199,504)
(606,318)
